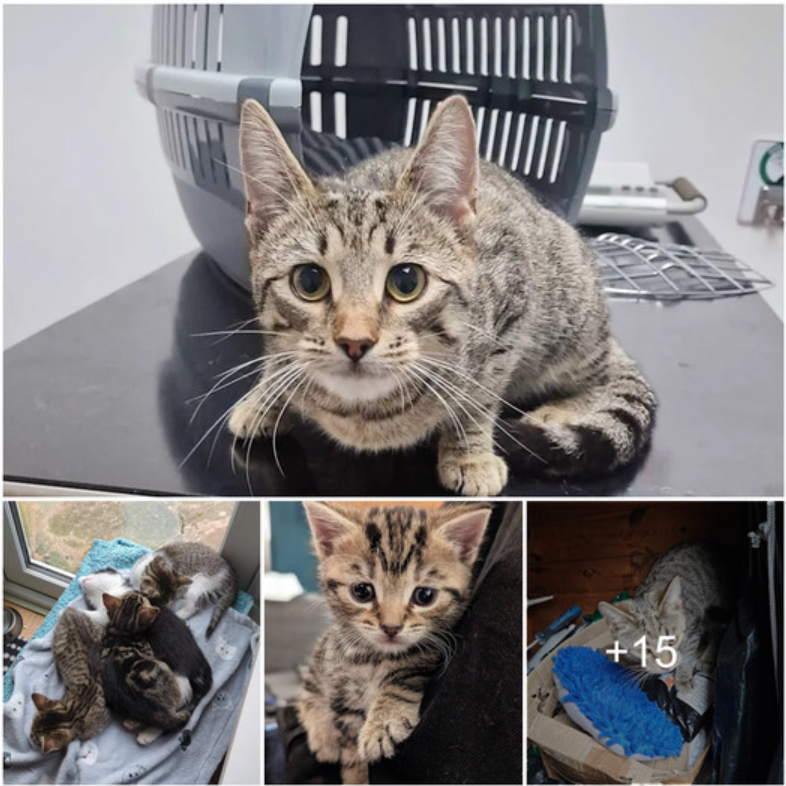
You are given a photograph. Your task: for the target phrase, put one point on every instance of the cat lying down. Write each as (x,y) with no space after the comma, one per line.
(420,296)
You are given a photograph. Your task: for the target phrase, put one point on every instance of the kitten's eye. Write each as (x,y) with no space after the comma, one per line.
(363,593)
(424,596)
(405,282)
(310,282)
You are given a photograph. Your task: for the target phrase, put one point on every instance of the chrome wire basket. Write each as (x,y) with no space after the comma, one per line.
(637,268)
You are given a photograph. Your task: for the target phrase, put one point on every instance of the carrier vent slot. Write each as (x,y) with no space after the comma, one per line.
(340,113)
(315,43)
(539,50)
(503,145)
(544,148)
(412,37)
(533,132)
(409,126)
(492,132)
(514,163)
(568,49)
(526,49)
(470,47)
(342,38)
(442,58)
(455,36)
(315,107)
(498,46)
(557,156)
(554,67)
(427,60)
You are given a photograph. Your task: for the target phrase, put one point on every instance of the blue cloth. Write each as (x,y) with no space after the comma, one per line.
(120,554)
(605,694)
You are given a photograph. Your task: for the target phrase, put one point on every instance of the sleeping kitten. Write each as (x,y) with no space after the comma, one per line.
(685,595)
(207,577)
(95,585)
(154,672)
(82,712)
(396,581)
(420,293)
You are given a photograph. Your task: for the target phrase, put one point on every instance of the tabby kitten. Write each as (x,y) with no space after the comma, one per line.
(419,294)
(154,672)
(82,712)
(685,595)
(396,580)
(207,577)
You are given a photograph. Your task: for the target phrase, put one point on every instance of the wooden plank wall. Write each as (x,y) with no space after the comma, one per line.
(585,552)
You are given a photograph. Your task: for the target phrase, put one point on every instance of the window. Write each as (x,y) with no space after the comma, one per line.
(44,542)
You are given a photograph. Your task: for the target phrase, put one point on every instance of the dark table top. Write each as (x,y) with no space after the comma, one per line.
(106,399)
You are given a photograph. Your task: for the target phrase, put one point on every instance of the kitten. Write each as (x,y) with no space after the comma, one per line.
(154,672)
(95,585)
(685,595)
(396,580)
(206,576)
(420,293)
(82,712)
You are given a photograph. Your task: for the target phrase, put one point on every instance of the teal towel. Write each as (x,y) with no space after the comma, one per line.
(120,554)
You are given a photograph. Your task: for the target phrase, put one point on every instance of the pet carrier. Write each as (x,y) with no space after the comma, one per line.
(344,82)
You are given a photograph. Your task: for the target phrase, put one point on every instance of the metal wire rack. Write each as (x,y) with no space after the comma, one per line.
(632,267)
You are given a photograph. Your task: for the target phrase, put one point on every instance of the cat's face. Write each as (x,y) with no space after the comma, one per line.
(130,614)
(96,584)
(51,725)
(396,577)
(160,582)
(362,290)
(654,616)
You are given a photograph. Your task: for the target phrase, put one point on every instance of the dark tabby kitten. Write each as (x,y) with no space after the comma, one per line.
(190,574)
(82,712)
(396,581)
(686,595)
(154,672)
(417,295)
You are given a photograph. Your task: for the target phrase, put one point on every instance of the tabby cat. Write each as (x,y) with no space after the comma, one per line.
(206,576)
(154,673)
(686,595)
(396,580)
(420,293)
(82,712)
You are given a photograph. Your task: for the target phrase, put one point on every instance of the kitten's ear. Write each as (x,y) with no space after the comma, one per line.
(327,526)
(618,614)
(444,168)
(272,175)
(56,743)
(464,529)
(182,580)
(671,602)
(147,615)
(40,701)
(111,603)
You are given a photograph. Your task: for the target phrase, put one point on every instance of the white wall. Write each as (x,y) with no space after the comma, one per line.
(696,86)
(89,203)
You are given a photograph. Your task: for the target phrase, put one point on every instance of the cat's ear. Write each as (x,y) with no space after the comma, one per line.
(147,615)
(40,701)
(464,529)
(111,603)
(671,602)
(327,525)
(272,175)
(617,614)
(182,580)
(55,743)
(444,168)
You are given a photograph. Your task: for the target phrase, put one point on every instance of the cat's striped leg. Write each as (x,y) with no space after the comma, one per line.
(589,434)
(467,463)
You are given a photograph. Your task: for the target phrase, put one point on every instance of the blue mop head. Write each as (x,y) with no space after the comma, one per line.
(617,711)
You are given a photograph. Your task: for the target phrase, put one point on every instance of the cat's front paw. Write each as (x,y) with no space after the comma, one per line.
(684,679)
(251,418)
(323,743)
(473,474)
(379,736)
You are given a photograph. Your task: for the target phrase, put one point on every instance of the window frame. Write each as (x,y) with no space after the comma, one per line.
(37,586)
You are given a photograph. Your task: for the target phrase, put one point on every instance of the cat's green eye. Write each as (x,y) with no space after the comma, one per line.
(362,593)
(424,596)
(405,282)
(310,282)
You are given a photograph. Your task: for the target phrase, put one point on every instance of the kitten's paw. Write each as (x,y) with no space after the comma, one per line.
(146,736)
(323,743)
(379,736)
(250,418)
(473,474)
(131,725)
(684,680)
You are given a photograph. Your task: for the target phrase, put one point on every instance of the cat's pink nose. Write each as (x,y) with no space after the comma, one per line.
(391,630)
(355,348)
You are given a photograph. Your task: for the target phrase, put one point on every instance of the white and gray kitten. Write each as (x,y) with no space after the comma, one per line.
(187,577)
(420,293)
(687,596)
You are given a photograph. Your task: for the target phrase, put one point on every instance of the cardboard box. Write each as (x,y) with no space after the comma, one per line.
(569,753)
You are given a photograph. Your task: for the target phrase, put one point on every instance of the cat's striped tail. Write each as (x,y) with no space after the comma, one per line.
(586,435)
(224,600)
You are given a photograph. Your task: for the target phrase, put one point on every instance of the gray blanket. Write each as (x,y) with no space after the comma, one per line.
(190,755)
